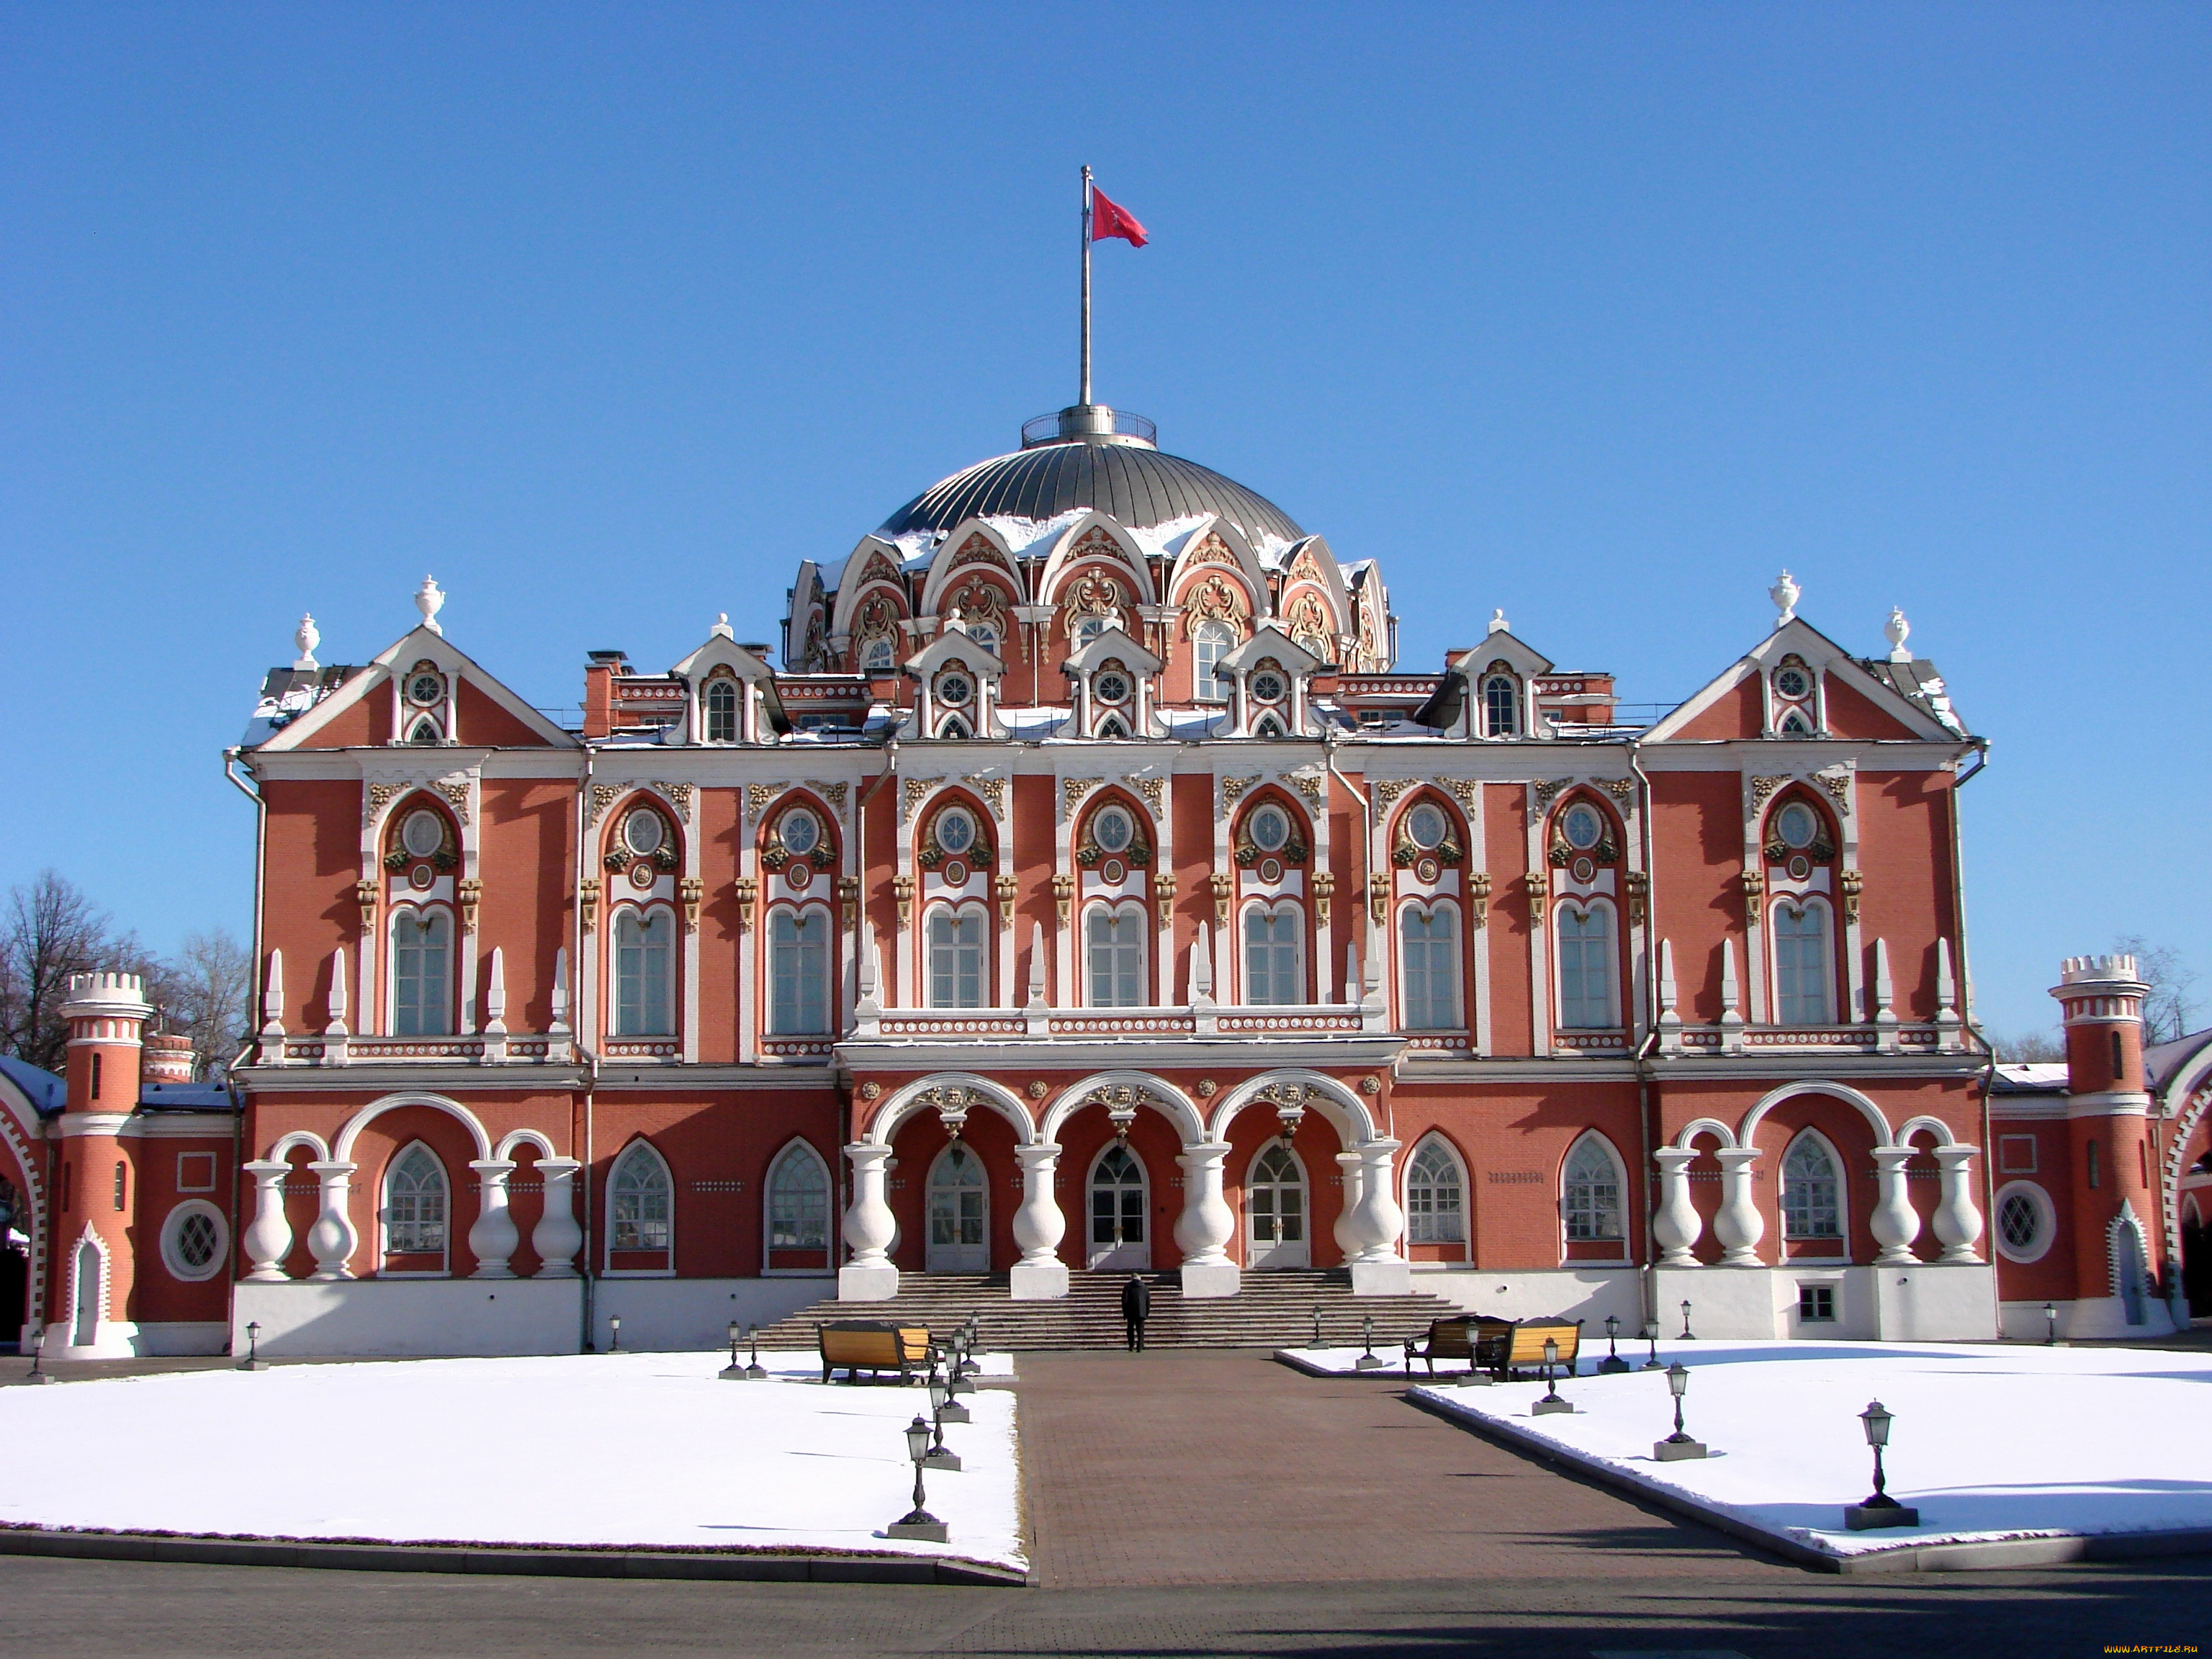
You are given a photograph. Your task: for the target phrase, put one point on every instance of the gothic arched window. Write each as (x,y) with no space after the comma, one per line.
(640,1201)
(414,1205)
(721,711)
(1811,1190)
(1590,1191)
(1435,1196)
(799,1200)
(1210,641)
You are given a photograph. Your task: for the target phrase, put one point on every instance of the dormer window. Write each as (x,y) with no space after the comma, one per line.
(1268,685)
(426,733)
(955,689)
(1112,686)
(426,688)
(1089,628)
(1210,643)
(876,655)
(721,711)
(1501,703)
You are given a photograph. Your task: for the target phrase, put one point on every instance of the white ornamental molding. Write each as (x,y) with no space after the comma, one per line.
(916,792)
(1149,788)
(678,795)
(832,793)
(993,789)
(760,796)
(1307,783)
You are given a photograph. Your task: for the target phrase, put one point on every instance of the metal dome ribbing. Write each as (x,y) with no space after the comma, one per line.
(1138,485)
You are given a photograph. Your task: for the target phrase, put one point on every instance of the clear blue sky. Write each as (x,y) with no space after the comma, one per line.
(609,315)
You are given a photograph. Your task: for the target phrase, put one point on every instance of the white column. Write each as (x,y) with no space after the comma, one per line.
(1957,1223)
(1677,1226)
(1040,1275)
(1347,1228)
(869,1229)
(1739,1226)
(493,1238)
(268,1238)
(557,1237)
(1379,1270)
(1895,1224)
(1205,1223)
(332,1237)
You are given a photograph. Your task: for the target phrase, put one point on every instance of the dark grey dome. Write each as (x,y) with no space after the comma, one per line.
(1134,482)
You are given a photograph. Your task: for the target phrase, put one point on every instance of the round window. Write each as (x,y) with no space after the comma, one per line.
(642,831)
(1582,827)
(1796,826)
(193,1240)
(425,689)
(1793,684)
(2024,1222)
(954,690)
(1112,830)
(1268,686)
(800,831)
(424,833)
(1112,687)
(956,829)
(1271,829)
(1424,826)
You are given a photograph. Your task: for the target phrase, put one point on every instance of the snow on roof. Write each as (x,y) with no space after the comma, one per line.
(47,1093)
(187,1098)
(2020,1077)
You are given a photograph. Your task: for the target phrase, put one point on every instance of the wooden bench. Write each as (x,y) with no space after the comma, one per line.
(1480,1342)
(1525,1351)
(873,1345)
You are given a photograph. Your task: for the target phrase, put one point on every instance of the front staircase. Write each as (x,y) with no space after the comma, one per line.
(1273,1310)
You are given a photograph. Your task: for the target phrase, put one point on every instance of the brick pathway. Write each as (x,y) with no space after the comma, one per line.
(1196,1467)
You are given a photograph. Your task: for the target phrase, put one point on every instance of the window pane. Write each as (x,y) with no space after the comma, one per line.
(1809,1189)
(1585,969)
(799,1203)
(1592,1198)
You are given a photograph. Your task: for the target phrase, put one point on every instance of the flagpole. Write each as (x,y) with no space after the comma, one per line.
(1085,397)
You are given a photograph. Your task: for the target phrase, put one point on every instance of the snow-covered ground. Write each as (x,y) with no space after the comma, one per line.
(1989,1443)
(647,1449)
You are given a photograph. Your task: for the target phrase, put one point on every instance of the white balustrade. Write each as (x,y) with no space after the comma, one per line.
(1206,1223)
(557,1237)
(1677,1226)
(269,1237)
(1738,1226)
(493,1238)
(1039,1226)
(332,1237)
(1957,1223)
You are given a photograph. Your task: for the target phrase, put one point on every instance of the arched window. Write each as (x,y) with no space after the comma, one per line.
(1117,1211)
(1111,727)
(1501,716)
(1274,972)
(876,655)
(426,733)
(799,1200)
(1585,938)
(984,635)
(1114,956)
(1275,1211)
(643,942)
(955,730)
(1210,641)
(415,1208)
(1591,1192)
(1811,1190)
(1428,947)
(422,998)
(1087,629)
(955,957)
(1436,1210)
(639,1201)
(721,711)
(799,972)
(1269,726)
(1802,960)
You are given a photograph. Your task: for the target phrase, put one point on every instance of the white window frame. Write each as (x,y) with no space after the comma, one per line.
(1092,1250)
(385,1250)
(173,1227)
(1488,729)
(1300,979)
(1435,1141)
(2047,1212)
(708,714)
(798,1150)
(1843,1234)
(1587,907)
(639,1150)
(643,915)
(1207,685)
(1457,1009)
(799,916)
(1597,1139)
(1128,910)
(958,913)
(416,916)
(1809,904)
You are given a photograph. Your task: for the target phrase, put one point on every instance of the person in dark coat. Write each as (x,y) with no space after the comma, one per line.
(1136,1308)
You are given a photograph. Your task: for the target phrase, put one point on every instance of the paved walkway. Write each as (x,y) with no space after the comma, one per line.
(1199,1467)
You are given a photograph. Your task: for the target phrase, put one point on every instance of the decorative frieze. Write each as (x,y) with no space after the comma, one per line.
(1232,790)
(1387,790)
(1072,790)
(1149,789)
(678,795)
(604,795)
(1463,790)
(456,791)
(916,791)
(1838,786)
(377,796)
(992,790)
(1620,789)
(832,793)
(758,795)
(1307,784)
(1548,791)
(1762,787)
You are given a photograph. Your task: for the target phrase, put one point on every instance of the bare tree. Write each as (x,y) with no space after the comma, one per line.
(2169,1007)
(2042,1047)
(202,993)
(50,930)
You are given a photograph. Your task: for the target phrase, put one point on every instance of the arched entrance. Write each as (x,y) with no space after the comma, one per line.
(85,1306)
(14,1264)
(1119,1206)
(959,1213)
(1276,1211)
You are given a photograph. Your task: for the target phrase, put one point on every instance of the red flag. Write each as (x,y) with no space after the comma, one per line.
(1107,220)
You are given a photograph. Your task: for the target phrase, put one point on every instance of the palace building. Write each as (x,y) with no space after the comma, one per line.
(1080,885)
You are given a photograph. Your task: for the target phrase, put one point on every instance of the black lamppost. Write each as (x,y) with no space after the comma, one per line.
(1367,1361)
(614,1333)
(1881,1510)
(755,1371)
(918,1522)
(952,1411)
(1551,1403)
(956,1367)
(2051,1324)
(1686,1335)
(253,1360)
(1316,1325)
(1612,1361)
(938,1458)
(1651,1336)
(733,1372)
(38,1357)
(1678,1445)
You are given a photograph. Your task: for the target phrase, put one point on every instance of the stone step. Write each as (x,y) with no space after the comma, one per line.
(1272,1309)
